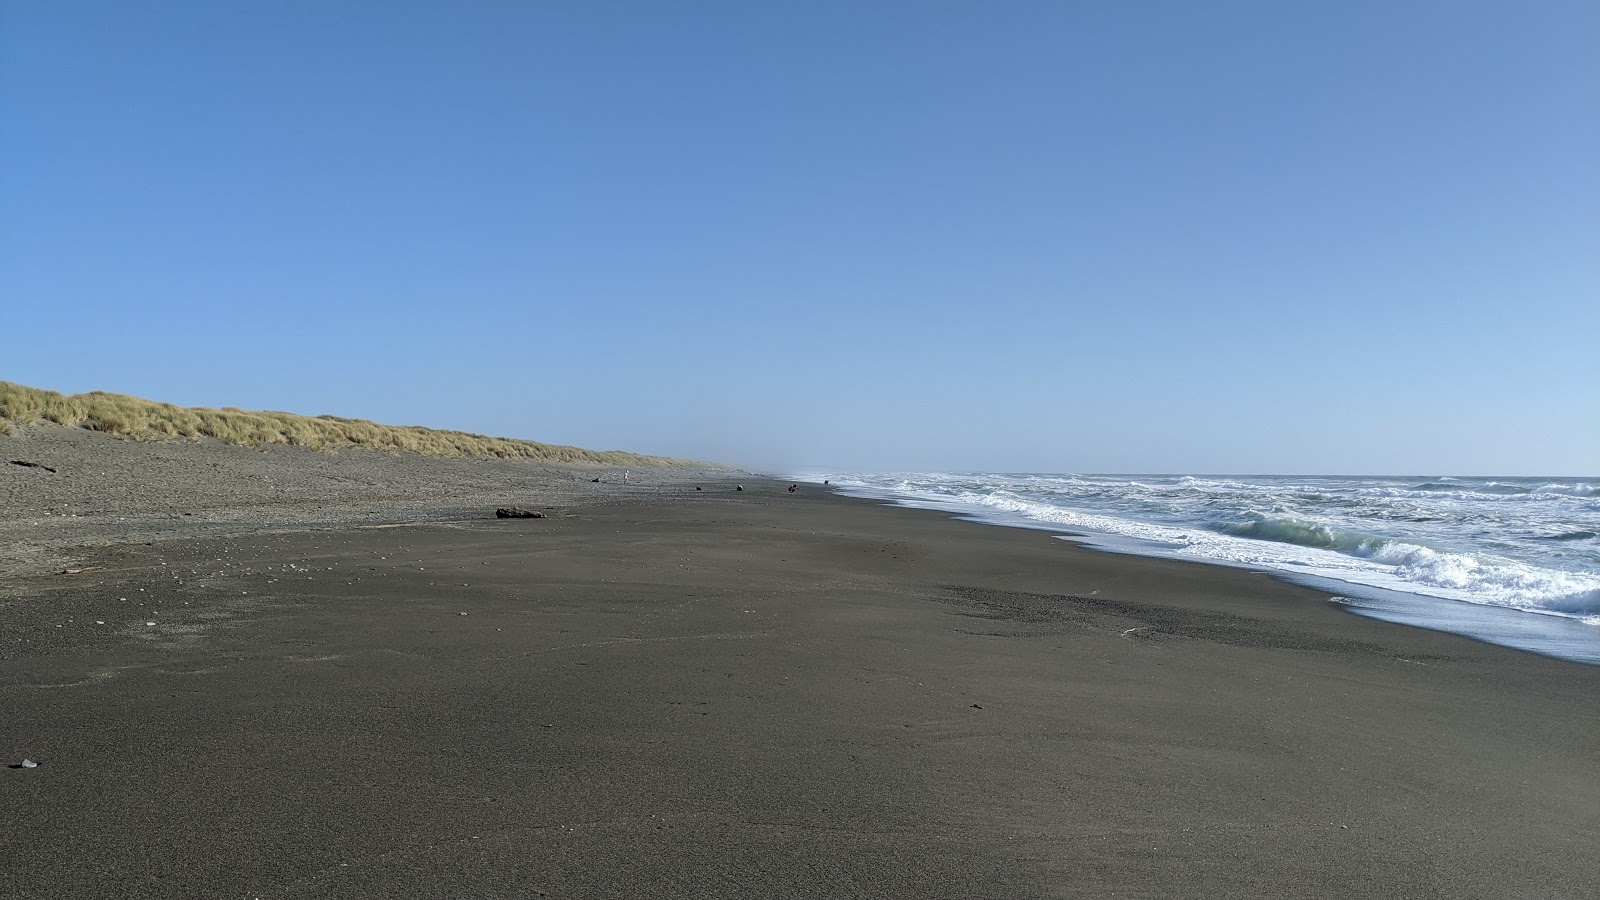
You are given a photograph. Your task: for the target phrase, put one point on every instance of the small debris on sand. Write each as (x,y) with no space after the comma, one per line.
(33,465)
(514,512)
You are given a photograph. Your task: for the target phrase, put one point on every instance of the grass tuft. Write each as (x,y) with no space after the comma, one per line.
(137,419)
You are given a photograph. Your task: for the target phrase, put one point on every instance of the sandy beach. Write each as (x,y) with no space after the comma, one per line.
(371,687)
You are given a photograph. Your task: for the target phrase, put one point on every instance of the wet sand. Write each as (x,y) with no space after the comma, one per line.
(663,692)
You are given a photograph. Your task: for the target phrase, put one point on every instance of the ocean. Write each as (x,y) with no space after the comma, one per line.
(1512,561)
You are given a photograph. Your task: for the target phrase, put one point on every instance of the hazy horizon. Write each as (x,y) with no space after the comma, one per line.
(1147,238)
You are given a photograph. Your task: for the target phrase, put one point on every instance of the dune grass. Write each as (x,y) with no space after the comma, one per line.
(137,419)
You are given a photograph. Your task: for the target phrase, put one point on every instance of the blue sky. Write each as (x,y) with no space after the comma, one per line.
(1177,237)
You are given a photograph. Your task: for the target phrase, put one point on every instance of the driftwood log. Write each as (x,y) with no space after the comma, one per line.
(33,465)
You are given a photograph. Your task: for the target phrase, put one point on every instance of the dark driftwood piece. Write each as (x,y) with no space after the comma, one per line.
(33,465)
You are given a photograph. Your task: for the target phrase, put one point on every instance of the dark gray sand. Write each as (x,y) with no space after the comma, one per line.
(663,692)
(108,491)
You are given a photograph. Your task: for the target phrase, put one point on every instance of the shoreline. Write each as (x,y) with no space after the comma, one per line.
(1531,631)
(663,691)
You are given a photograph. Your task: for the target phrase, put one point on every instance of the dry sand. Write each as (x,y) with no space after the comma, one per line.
(663,692)
(107,491)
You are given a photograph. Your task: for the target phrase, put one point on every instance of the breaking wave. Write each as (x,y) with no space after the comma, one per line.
(1524,544)
(1306,534)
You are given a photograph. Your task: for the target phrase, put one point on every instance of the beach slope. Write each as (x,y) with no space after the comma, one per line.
(663,691)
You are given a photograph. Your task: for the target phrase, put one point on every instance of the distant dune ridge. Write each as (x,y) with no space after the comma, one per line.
(146,420)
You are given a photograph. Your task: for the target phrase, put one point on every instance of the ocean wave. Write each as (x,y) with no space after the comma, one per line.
(1218,484)
(1482,494)
(1568,490)
(1303,533)
(1485,489)
(1525,545)
(1503,582)
(1437,486)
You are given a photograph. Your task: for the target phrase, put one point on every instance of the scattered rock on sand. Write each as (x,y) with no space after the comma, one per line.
(514,512)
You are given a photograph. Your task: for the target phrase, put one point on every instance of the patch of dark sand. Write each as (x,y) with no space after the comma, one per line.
(1155,622)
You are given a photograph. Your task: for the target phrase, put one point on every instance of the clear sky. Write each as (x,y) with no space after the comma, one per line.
(1248,237)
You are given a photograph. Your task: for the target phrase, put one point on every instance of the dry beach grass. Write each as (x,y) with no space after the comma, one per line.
(102,469)
(146,420)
